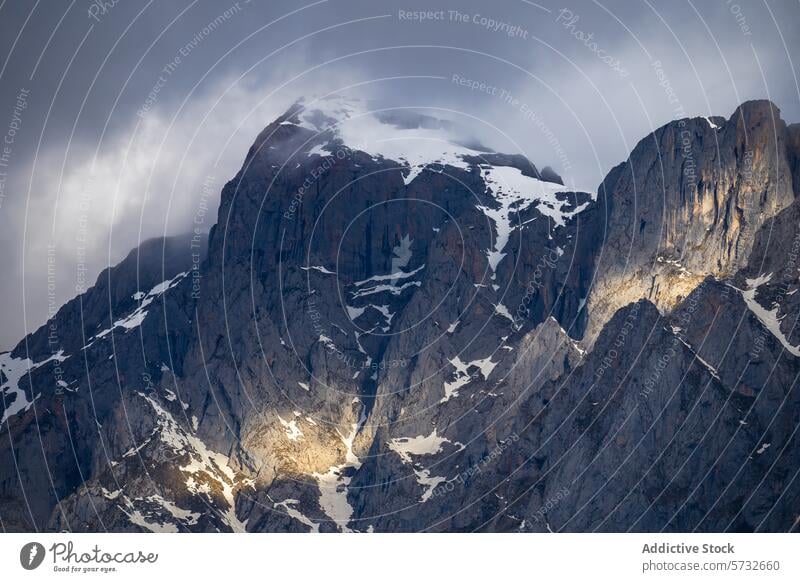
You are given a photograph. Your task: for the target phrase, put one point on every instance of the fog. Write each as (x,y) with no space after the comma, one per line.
(117,117)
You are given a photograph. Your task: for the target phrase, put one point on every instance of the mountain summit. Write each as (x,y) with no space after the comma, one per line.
(395,329)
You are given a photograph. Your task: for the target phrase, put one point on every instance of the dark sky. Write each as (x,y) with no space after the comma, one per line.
(118,115)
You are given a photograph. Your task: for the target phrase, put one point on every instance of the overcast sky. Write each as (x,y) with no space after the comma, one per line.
(117,115)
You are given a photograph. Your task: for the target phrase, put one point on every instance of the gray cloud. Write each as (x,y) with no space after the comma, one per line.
(131,109)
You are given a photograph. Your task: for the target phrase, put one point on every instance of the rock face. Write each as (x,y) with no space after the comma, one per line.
(391,331)
(688,203)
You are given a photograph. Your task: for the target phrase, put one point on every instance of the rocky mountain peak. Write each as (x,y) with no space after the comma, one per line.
(687,204)
(383,309)
(756,112)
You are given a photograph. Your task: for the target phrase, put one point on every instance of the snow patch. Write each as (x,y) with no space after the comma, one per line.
(421,445)
(485,366)
(393,289)
(768,318)
(414,148)
(502,310)
(293,432)
(711,369)
(355,312)
(317,150)
(333,483)
(135,319)
(288,506)
(318,268)
(513,191)
(14,398)
(418,445)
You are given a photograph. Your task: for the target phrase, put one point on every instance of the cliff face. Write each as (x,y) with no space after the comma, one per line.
(384,337)
(688,203)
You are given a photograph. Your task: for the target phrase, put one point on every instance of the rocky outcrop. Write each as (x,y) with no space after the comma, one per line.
(688,203)
(65,386)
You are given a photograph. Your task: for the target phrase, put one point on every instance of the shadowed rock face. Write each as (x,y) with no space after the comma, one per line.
(386,336)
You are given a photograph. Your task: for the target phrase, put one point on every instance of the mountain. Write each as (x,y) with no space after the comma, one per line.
(396,329)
